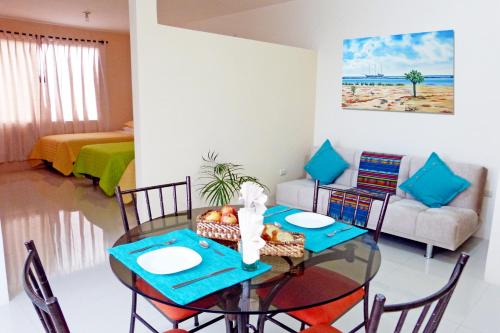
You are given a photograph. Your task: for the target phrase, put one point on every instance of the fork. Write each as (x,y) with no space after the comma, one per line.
(173,240)
(333,233)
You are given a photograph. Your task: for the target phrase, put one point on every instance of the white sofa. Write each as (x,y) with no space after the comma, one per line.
(447,227)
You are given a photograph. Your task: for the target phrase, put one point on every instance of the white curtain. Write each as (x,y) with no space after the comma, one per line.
(19,96)
(73,87)
(49,86)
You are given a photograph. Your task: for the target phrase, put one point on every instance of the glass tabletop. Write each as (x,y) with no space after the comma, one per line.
(292,283)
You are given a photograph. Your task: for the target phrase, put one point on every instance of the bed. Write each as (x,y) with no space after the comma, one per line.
(63,149)
(109,163)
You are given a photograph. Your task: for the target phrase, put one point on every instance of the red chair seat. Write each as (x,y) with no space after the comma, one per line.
(330,312)
(301,289)
(321,329)
(171,312)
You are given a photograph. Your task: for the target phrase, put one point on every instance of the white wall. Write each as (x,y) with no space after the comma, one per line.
(253,102)
(471,135)
(492,273)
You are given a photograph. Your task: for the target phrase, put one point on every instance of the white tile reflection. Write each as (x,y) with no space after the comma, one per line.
(67,242)
(71,222)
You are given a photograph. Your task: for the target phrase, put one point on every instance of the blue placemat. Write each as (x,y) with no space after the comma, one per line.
(211,262)
(316,239)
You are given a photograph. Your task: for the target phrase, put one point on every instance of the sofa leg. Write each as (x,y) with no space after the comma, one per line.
(429,251)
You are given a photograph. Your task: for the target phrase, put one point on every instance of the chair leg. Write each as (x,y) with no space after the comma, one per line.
(132,312)
(175,324)
(302,326)
(429,251)
(366,301)
(196,321)
(261,322)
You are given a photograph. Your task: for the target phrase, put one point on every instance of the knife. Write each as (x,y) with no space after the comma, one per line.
(276,213)
(185,283)
(153,245)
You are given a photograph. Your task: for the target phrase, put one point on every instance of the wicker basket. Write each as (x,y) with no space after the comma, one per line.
(217,230)
(294,249)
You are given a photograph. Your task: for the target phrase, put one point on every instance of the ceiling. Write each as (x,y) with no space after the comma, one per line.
(105,14)
(113,14)
(180,12)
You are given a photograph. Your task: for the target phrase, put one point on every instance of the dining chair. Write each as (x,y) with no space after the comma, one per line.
(430,324)
(353,207)
(173,314)
(144,193)
(38,290)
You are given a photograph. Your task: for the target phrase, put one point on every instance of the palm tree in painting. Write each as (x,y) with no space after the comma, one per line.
(414,77)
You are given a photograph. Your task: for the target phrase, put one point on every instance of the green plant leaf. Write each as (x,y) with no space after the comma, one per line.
(221,181)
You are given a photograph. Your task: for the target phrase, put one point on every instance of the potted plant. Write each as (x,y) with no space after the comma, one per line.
(222,180)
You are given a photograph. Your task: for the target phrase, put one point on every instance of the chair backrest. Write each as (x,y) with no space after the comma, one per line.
(159,190)
(441,299)
(38,289)
(352,206)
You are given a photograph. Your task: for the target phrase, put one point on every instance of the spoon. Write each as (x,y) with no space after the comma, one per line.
(205,245)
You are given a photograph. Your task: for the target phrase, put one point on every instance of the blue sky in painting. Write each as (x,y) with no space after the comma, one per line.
(429,52)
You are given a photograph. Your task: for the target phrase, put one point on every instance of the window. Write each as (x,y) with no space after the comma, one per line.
(70,78)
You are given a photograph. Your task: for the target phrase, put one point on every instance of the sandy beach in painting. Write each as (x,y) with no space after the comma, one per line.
(429,99)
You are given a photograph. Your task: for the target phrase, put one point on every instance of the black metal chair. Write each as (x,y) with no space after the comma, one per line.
(173,314)
(354,207)
(121,196)
(355,201)
(38,289)
(440,298)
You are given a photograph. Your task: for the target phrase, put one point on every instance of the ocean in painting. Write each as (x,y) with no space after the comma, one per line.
(444,80)
(407,73)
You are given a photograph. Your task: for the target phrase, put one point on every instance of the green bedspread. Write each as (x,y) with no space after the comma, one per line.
(105,161)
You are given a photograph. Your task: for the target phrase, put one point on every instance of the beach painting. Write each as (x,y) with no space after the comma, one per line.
(407,73)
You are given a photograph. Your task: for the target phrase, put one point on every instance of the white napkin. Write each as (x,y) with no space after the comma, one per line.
(251,221)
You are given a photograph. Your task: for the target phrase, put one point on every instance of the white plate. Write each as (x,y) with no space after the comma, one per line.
(169,260)
(309,220)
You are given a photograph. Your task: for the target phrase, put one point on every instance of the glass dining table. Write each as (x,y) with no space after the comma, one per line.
(290,285)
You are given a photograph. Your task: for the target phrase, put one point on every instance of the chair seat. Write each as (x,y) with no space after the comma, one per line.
(330,312)
(301,289)
(321,329)
(171,312)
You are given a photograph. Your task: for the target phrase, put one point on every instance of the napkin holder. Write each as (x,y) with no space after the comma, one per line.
(293,249)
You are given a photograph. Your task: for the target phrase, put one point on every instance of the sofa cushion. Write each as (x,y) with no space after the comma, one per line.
(400,217)
(326,165)
(435,184)
(351,156)
(447,226)
(472,197)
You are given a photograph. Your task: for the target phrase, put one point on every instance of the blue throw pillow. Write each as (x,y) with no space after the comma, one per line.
(435,184)
(326,165)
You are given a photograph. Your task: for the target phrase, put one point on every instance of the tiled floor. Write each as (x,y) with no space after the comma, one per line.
(72,224)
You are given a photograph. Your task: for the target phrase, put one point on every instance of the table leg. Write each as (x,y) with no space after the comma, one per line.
(243,321)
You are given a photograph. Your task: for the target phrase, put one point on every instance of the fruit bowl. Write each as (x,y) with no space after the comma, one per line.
(219,224)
